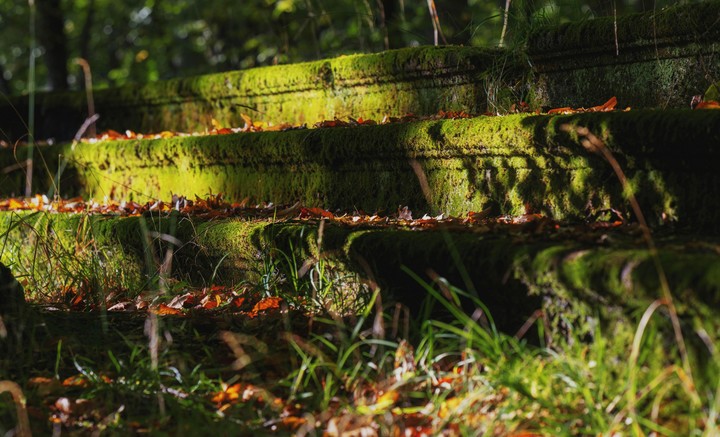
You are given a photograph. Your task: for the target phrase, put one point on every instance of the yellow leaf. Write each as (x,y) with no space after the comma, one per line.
(383,404)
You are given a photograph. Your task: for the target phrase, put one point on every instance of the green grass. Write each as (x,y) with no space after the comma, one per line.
(374,369)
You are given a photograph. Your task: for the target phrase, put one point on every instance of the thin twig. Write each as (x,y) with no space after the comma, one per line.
(505,23)
(437,30)
(23,428)
(617,46)
(89,94)
(595,145)
(31,104)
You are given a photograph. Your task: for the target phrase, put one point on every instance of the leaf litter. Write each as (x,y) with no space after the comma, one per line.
(250,125)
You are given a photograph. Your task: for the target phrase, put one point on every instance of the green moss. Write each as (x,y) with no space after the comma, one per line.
(469,164)
(96,254)
(656,59)
(577,281)
(415,80)
(691,22)
(713,92)
(56,252)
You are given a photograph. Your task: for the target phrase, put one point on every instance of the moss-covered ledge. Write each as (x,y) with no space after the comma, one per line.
(415,80)
(452,166)
(662,58)
(574,276)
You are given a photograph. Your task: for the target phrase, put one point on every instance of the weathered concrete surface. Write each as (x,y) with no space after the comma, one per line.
(417,80)
(452,166)
(661,60)
(573,275)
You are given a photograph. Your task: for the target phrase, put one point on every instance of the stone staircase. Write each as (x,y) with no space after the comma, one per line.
(530,169)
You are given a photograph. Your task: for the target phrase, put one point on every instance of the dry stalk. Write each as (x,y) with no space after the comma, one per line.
(23,427)
(437,30)
(594,144)
(506,14)
(88,93)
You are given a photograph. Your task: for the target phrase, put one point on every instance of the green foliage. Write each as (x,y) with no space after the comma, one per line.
(146,40)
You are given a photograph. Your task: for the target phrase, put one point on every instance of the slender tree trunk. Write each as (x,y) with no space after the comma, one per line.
(4,85)
(86,32)
(51,35)
(392,22)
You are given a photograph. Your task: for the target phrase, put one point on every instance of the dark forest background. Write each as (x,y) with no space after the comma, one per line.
(145,40)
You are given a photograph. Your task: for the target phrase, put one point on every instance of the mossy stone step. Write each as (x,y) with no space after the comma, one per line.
(393,83)
(655,59)
(509,164)
(573,275)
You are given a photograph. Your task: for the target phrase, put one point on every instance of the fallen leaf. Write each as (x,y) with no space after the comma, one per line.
(269,303)
(164,310)
(237,302)
(563,110)
(711,104)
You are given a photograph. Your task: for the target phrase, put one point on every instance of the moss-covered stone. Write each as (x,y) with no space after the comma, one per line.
(713,92)
(689,22)
(417,80)
(574,276)
(656,59)
(509,163)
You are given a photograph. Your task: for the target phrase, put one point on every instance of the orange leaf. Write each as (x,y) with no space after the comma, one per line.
(15,204)
(209,304)
(610,104)
(237,302)
(75,381)
(710,104)
(112,135)
(564,110)
(248,121)
(269,303)
(229,394)
(315,212)
(292,422)
(607,106)
(164,310)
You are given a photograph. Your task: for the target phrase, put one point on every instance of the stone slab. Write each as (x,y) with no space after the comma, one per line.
(394,83)
(658,59)
(509,164)
(573,274)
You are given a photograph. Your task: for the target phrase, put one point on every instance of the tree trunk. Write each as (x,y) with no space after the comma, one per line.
(391,15)
(4,85)
(51,35)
